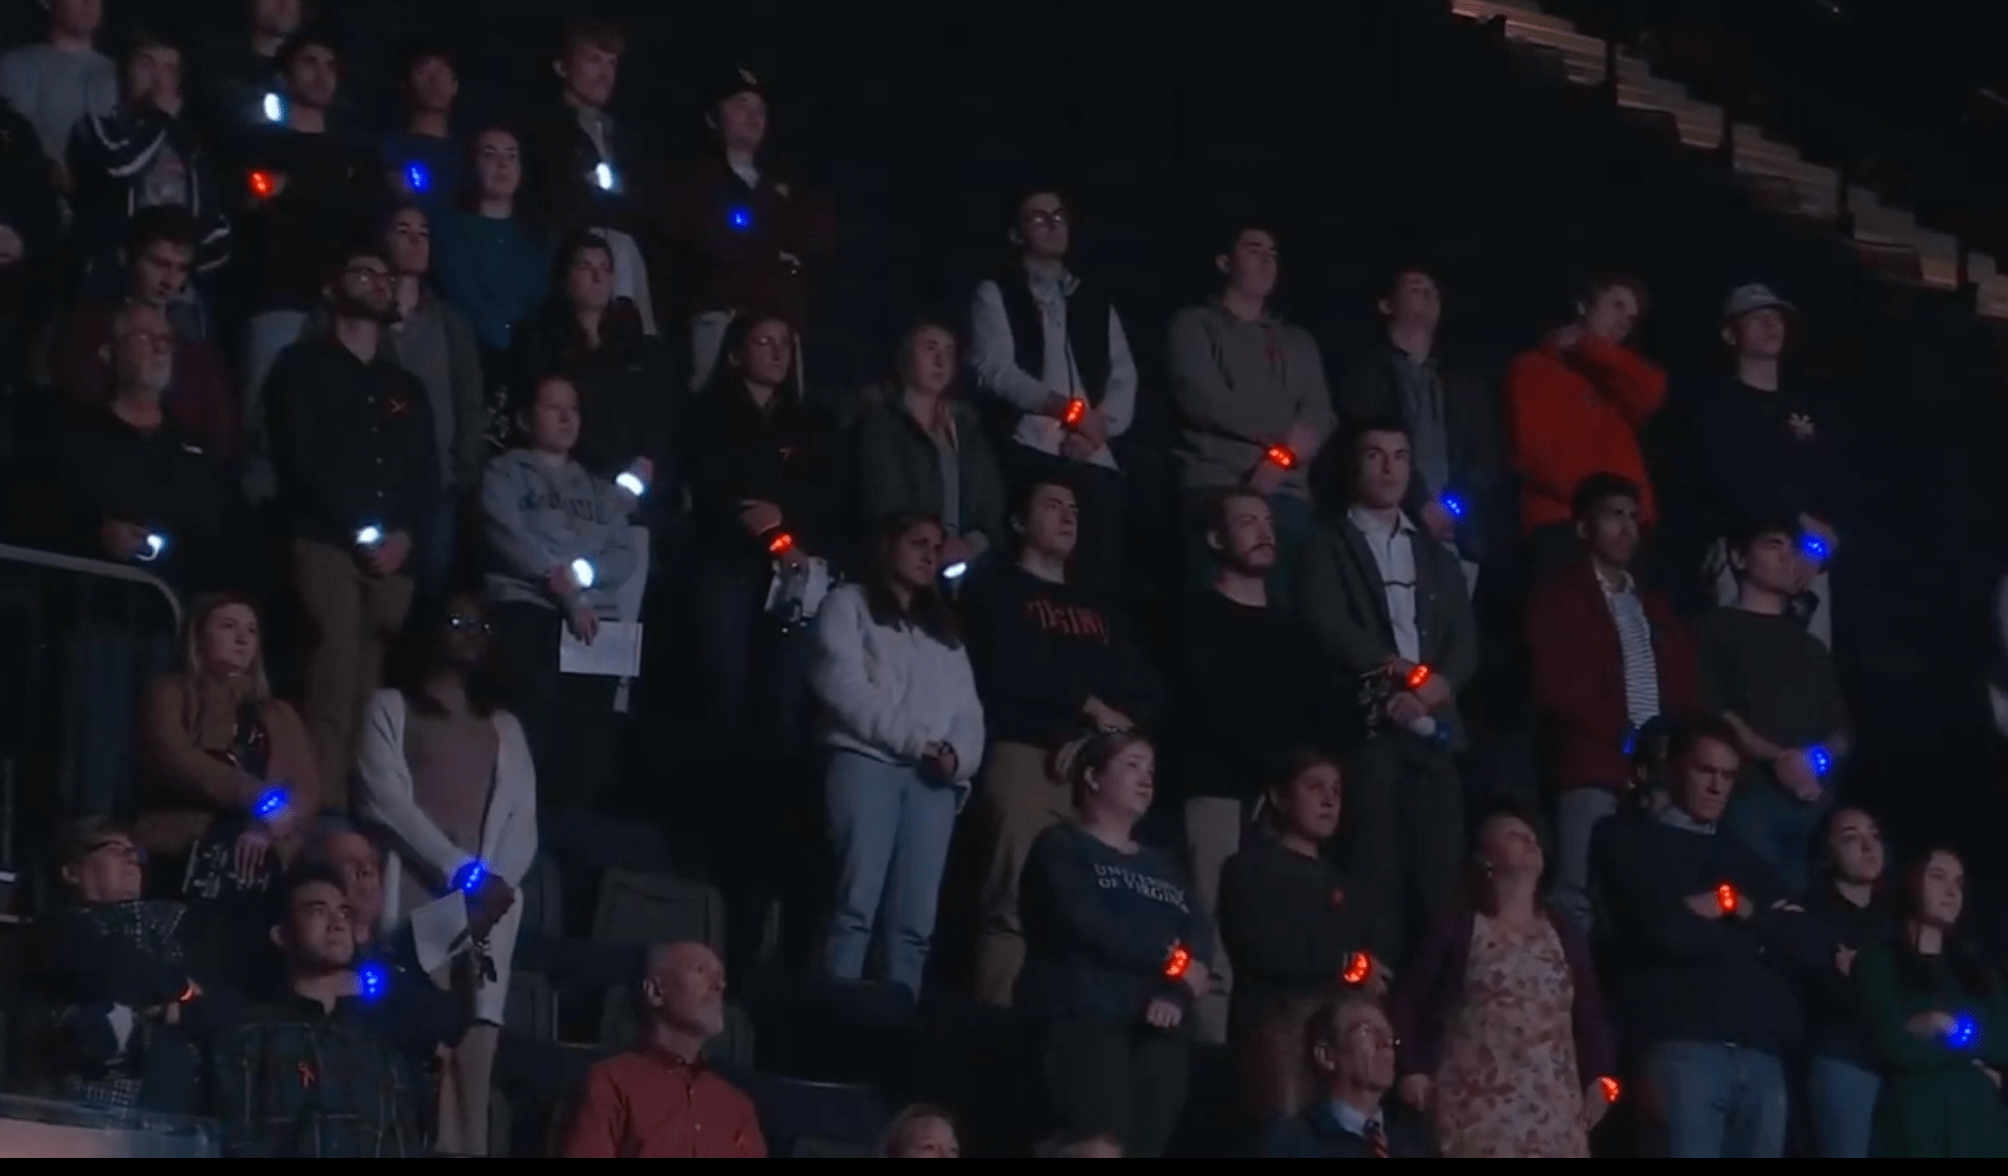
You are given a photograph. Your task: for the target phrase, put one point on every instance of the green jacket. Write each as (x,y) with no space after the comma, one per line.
(1342,598)
(1936,1103)
(896,469)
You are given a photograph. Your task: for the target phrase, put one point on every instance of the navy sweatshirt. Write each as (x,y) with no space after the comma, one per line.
(1100,926)
(1833,1021)
(1686,978)
(1041,650)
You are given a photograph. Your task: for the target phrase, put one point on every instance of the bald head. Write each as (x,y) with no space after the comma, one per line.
(683,990)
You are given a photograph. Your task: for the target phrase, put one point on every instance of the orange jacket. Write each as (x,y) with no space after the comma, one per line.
(1570,414)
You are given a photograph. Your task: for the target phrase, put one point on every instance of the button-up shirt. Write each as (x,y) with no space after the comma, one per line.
(1641,668)
(649,1104)
(1394,555)
(352,442)
(305,1082)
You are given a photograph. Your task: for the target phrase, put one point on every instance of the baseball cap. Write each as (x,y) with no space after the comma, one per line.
(1751,298)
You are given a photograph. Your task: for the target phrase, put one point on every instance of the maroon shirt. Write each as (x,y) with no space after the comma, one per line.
(648,1104)
(1579,676)
(730,240)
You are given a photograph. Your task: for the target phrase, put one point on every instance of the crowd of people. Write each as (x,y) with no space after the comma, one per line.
(444,408)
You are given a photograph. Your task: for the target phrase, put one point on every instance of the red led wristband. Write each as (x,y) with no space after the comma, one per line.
(1178,963)
(1280,456)
(1075,412)
(1359,969)
(781,543)
(1609,1088)
(1727,898)
(1419,677)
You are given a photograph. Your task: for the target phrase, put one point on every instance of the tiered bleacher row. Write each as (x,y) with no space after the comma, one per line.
(707,370)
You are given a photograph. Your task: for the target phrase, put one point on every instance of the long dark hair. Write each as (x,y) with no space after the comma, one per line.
(726,376)
(927,610)
(422,653)
(1964,960)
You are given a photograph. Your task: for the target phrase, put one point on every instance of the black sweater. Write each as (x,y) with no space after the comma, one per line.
(352,442)
(1100,926)
(1289,925)
(110,471)
(625,393)
(1833,1021)
(1245,688)
(1041,650)
(786,456)
(1685,978)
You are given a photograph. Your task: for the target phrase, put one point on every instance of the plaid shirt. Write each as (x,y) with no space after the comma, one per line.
(301,1082)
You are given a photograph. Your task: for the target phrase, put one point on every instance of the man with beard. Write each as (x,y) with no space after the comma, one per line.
(358,475)
(1244,691)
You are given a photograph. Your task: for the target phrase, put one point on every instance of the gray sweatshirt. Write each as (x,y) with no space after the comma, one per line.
(1239,386)
(540,515)
(54,89)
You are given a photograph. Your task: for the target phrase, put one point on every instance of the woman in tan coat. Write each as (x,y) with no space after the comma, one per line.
(229,784)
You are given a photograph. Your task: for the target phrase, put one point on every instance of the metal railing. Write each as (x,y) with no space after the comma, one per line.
(46,601)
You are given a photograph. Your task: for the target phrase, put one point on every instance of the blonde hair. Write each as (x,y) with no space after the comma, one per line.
(206,607)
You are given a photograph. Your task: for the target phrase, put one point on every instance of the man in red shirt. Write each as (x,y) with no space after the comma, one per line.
(1574,407)
(660,1101)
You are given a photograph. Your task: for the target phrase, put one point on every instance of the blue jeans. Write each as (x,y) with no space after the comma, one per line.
(1717,1101)
(1778,826)
(1577,816)
(1841,1099)
(758,675)
(890,830)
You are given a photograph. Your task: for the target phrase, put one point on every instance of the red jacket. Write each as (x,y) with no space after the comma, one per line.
(1573,413)
(1579,676)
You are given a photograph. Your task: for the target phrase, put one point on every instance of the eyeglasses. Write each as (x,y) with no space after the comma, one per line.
(374,277)
(462,623)
(158,339)
(1056,219)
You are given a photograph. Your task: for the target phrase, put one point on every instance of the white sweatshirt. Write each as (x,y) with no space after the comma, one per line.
(888,692)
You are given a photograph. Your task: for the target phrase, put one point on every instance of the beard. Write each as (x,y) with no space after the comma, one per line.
(349,307)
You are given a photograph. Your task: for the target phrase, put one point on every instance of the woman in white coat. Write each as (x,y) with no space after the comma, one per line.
(904,731)
(448,775)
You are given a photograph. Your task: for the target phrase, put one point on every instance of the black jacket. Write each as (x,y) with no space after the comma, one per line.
(626,391)
(334,192)
(787,456)
(1833,1020)
(110,471)
(352,443)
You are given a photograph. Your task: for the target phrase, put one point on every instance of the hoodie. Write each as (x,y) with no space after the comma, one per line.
(1575,412)
(540,515)
(887,691)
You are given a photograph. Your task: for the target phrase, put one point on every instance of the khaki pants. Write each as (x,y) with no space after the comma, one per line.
(1212,835)
(352,617)
(1017,799)
(465,1079)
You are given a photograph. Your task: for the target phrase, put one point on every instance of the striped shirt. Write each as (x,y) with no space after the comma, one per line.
(1641,670)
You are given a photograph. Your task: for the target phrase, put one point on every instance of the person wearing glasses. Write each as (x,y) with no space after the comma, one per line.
(447,773)
(129,1013)
(358,476)
(1050,346)
(1352,1047)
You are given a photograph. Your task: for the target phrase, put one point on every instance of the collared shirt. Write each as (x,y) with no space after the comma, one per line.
(1677,817)
(352,442)
(1394,555)
(1641,668)
(648,1104)
(1352,1121)
(304,1082)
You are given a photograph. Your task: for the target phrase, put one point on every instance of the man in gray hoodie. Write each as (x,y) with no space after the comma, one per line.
(1252,403)
(559,548)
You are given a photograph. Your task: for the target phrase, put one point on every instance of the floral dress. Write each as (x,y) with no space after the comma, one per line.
(1508,1087)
